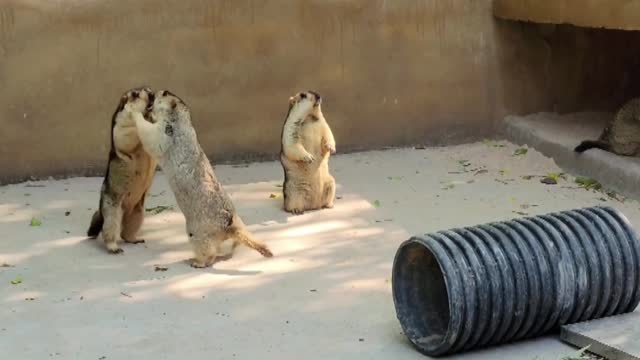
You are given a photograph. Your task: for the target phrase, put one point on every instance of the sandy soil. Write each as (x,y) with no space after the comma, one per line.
(326,294)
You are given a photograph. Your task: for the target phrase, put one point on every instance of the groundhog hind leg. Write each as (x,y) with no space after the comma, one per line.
(329,192)
(132,222)
(112,212)
(205,251)
(294,198)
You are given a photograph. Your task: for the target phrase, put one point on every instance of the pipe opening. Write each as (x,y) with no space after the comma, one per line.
(422,299)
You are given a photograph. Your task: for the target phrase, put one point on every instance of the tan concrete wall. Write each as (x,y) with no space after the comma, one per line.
(563,68)
(391,72)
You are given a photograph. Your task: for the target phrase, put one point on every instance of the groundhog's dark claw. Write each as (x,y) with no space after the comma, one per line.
(200,264)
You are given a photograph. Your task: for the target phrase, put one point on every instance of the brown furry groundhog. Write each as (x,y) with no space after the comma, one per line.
(622,134)
(129,175)
(307,142)
(211,218)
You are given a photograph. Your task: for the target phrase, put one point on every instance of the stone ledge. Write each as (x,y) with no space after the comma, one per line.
(610,14)
(557,135)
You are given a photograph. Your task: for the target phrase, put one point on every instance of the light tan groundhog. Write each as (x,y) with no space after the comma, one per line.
(211,218)
(622,135)
(307,143)
(129,175)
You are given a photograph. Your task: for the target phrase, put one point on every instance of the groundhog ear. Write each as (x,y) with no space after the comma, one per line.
(174,104)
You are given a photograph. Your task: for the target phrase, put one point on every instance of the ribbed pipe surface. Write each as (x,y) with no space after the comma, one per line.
(465,288)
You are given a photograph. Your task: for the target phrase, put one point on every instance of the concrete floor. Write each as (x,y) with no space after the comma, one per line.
(326,294)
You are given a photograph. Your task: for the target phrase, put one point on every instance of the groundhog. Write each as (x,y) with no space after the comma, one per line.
(211,218)
(307,143)
(129,175)
(622,135)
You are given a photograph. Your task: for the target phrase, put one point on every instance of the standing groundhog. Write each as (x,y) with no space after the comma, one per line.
(211,219)
(129,175)
(307,142)
(622,134)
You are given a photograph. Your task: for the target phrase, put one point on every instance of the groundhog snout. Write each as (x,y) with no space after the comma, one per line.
(149,103)
(150,98)
(315,97)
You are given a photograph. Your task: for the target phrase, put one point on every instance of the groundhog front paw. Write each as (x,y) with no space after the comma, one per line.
(307,159)
(129,108)
(331,149)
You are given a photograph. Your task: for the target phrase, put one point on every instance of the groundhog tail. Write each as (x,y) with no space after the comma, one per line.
(96,225)
(591,144)
(242,236)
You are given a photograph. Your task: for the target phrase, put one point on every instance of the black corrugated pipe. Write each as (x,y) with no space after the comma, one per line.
(484,285)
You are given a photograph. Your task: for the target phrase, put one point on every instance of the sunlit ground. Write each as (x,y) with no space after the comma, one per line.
(325,295)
